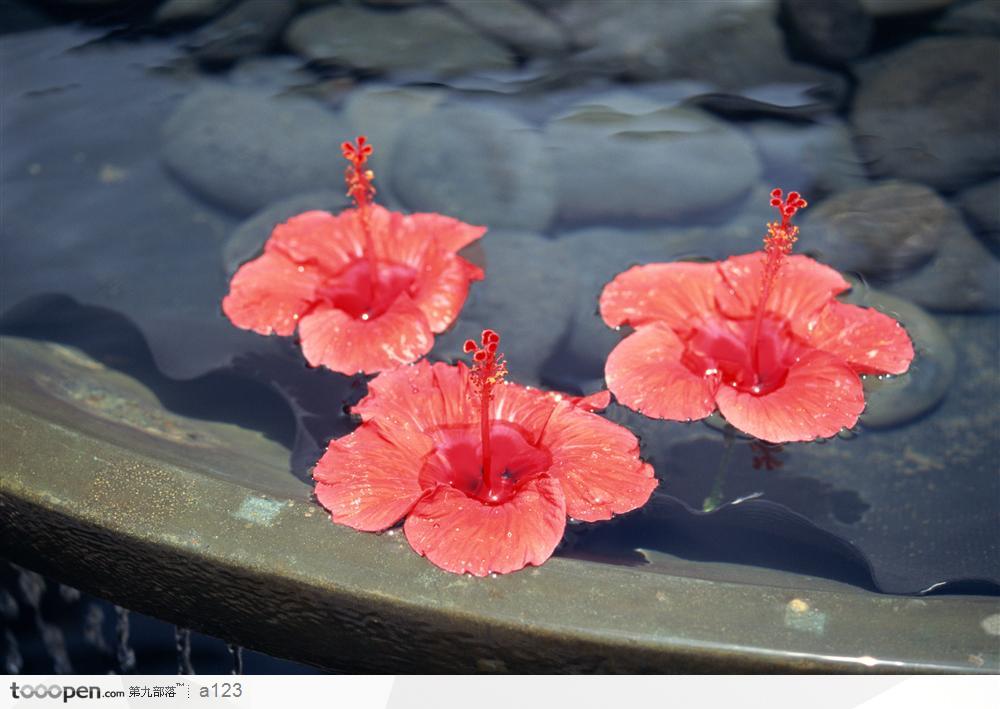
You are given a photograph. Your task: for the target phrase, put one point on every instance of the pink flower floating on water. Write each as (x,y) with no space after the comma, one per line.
(760,336)
(483,471)
(366,288)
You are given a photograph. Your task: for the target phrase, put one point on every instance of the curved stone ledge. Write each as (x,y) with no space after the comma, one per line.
(201,524)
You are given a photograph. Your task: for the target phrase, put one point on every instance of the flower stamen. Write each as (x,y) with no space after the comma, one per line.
(781,237)
(362,192)
(488,370)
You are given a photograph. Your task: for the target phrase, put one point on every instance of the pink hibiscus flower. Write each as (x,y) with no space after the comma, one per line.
(760,336)
(366,288)
(483,471)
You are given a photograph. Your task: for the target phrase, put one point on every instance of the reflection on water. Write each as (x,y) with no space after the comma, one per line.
(145,147)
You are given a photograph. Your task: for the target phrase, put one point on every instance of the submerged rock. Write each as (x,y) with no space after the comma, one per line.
(882,8)
(527,297)
(425,40)
(830,31)
(981,206)
(249,28)
(479,165)
(882,231)
(814,158)
(514,23)
(661,165)
(981,17)
(188,11)
(962,277)
(929,112)
(734,45)
(247,240)
(381,113)
(246,149)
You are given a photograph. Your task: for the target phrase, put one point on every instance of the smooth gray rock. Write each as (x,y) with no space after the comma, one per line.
(247,240)
(884,8)
(381,113)
(815,159)
(962,277)
(272,72)
(476,164)
(980,18)
(831,30)
(245,149)
(249,28)
(185,11)
(663,165)
(526,297)
(514,23)
(734,45)
(929,112)
(422,40)
(981,206)
(883,231)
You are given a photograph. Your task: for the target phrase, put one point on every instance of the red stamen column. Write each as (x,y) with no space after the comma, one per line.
(488,370)
(781,236)
(361,190)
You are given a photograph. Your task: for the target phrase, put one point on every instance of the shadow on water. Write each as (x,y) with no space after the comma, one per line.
(275,394)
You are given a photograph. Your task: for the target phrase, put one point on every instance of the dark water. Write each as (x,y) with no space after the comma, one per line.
(145,154)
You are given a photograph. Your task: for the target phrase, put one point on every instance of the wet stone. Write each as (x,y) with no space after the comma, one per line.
(278,73)
(672,157)
(732,45)
(514,23)
(247,240)
(249,28)
(189,11)
(421,40)
(245,149)
(962,277)
(882,231)
(883,8)
(475,164)
(928,112)
(527,297)
(381,113)
(981,206)
(829,31)
(814,158)
(978,18)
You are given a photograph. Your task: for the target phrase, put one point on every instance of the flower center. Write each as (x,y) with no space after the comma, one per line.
(364,295)
(727,350)
(457,461)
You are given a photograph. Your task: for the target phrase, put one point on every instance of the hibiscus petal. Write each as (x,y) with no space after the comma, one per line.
(463,535)
(801,288)
(442,287)
(421,397)
(820,396)
(334,339)
(674,293)
(870,341)
(645,373)
(327,240)
(270,294)
(408,238)
(598,401)
(367,482)
(597,463)
(449,233)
